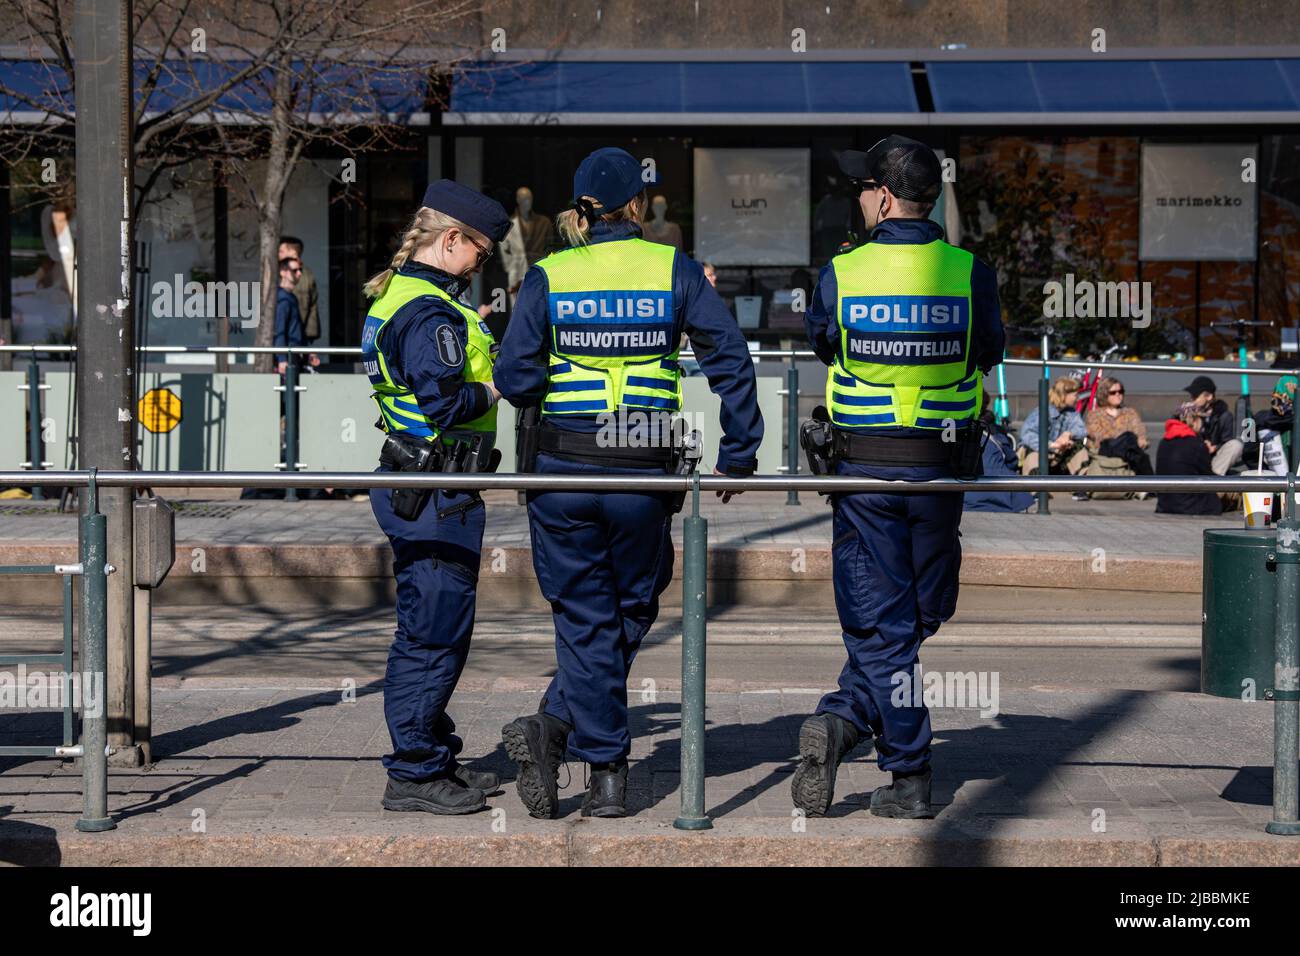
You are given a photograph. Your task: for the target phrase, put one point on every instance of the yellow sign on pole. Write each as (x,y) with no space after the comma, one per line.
(160,410)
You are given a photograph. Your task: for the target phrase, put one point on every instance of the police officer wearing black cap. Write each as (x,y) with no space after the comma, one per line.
(429,358)
(907,325)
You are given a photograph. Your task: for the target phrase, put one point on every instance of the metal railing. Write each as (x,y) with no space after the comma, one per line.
(791,392)
(692,816)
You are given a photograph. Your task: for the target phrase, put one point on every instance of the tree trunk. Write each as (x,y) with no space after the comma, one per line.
(279,167)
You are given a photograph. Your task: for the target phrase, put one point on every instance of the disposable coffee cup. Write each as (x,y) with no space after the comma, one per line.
(1257,505)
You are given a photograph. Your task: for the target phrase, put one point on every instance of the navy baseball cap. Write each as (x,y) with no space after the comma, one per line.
(470,207)
(910,169)
(612,176)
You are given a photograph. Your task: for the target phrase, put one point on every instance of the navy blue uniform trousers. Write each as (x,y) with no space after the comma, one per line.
(896,559)
(436,563)
(602,560)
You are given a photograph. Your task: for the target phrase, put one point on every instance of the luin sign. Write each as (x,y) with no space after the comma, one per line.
(751,206)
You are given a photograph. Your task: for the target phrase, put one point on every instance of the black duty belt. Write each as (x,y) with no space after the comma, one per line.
(588,447)
(881,450)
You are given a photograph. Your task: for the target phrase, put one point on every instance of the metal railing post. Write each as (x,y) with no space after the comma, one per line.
(695,551)
(35,446)
(291,423)
(792,427)
(1044,464)
(68,739)
(94,663)
(1295,435)
(1286,672)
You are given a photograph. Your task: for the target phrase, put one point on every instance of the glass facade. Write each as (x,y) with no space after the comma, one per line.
(1036,205)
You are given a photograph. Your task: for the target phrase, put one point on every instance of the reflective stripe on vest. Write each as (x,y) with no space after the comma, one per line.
(612,328)
(397,403)
(904,313)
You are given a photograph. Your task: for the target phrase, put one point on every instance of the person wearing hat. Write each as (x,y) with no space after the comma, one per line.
(1219,431)
(907,325)
(429,358)
(594,339)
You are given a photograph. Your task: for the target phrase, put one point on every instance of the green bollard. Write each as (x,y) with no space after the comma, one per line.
(94,663)
(35,447)
(1286,672)
(792,427)
(695,551)
(1044,467)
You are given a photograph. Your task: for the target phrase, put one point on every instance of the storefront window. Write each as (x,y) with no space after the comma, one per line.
(41,267)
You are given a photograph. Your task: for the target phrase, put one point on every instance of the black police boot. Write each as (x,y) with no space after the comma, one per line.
(484,780)
(432,796)
(537,743)
(824,740)
(907,798)
(607,793)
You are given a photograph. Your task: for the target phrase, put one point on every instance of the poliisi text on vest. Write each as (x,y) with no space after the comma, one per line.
(915,313)
(612,307)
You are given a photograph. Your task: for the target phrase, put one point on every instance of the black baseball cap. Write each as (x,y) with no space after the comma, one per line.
(470,207)
(910,169)
(1202,383)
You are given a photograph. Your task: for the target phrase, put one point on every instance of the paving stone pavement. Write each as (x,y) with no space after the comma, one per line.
(1085,767)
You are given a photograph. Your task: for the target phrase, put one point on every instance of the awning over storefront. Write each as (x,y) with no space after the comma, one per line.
(959,90)
(737,93)
(33,91)
(1188,89)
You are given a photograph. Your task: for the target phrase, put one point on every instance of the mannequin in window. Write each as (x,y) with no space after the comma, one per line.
(536,230)
(658,229)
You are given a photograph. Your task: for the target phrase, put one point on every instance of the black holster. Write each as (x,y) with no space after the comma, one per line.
(406,453)
(528,431)
(968,450)
(816,437)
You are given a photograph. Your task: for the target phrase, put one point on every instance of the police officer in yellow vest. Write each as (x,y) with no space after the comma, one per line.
(429,359)
(594,339)
(907,325)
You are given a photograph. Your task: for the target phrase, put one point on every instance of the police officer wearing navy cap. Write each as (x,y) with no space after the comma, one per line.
(594,339)
(429,358)
(907,325)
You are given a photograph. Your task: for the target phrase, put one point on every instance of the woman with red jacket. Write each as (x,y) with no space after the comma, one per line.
(1183,452)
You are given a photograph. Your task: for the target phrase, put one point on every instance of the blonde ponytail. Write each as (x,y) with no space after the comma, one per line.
(425,228)
(574,225)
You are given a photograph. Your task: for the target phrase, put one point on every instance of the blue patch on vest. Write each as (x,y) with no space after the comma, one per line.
(905,313)
(905,329)
(369,353)
(611,306)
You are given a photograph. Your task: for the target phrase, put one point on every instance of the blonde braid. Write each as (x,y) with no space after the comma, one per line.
(425,228)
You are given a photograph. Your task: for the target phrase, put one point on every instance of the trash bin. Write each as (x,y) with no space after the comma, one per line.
(1238,601)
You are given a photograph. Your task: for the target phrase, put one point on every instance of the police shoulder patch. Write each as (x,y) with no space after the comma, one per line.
(449,347)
